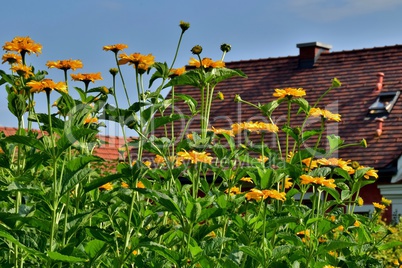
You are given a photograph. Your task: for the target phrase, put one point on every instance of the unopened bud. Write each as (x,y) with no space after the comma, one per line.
(226,48)
(184,25)
(196,50)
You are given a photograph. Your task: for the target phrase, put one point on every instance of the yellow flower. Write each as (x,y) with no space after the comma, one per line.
(233,190)
(262,159)
(379,206)
(310,163)
(140,61)
(23,45)
(257,127)
(11,58)
(372,173)
(190,136)
(256,194)
(247,179)
(317,112)
(147,163)
(177,72)
(219,131)
(357,224)
(206,63)
(65,64)
(140,185)
(124,185)
(47,85)
(159,160)
(220,96)
(288,183)
(195,157)
(115,48)
(289,93)
(135,252)
(108,186)
(335,162)
(307,179)
(360,201)
(90,120)
(22,70)
(385,201)
(86,78)
(212,234)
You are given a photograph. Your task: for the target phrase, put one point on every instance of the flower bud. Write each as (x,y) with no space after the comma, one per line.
(226,48)
(196,50)
(184,26)
(237,98)
(220,96)
(363,143)
(113,71)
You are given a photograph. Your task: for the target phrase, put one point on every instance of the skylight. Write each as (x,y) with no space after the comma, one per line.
(382,106)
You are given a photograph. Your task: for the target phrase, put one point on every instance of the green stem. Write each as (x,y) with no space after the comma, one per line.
(122,80)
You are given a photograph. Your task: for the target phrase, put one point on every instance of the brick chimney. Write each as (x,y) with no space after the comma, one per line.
(310,52)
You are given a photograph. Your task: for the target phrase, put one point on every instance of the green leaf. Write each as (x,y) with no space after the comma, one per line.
(65,258)
(170,255)
(254,252)
(26,140)
(28,250)
(268,108)
(390,245)
(303,103)
(334,245)
(193,210)
(101,181)
(99,234)
(190,101)
(334,142)
(93,247)
(265,178)
(162,120)
(71,179)
(210,213)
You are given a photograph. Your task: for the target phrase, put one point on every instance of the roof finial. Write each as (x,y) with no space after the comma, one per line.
(379,84)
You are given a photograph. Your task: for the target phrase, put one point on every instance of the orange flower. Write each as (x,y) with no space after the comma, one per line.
(23,45)
(140,61)
(254,194)
(335,162)
(177,72)
(317,112)
(108,186)
(195,157)
(307,179)
(219,131)
(257,127)
(257,195)
(11,58)
(288,183)
(233,190)
(379,206)
(90,120)
(372,173)
(140,185)
(159,160)
(206,63)
(86,78)
(289,92)
(22,70)
(357,224)
(262,159)
(115,48)
(247,179)
(124,185)
(65,64)
(310,163)
(47,85)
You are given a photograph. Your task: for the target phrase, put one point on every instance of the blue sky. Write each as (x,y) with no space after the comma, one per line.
(255,29)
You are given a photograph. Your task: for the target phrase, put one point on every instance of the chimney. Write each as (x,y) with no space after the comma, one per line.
(379,126)
(310,52)
(379,84)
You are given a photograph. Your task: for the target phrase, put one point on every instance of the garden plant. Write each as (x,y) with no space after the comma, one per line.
(210,198)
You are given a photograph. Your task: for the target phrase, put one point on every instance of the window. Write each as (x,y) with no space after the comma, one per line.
(383,105)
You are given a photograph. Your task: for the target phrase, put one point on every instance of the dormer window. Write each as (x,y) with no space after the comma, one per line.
(383,105)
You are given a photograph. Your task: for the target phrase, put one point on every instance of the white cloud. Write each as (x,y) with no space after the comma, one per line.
(330,10)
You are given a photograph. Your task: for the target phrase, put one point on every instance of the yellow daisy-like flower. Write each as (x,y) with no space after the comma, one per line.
(90,120)
(195,157)
(317,112)
(335,162)
(177,72)
(262,159)
(65,64)
(255,194)
(357,224)
(108,186)
(206,63)
(386,202)
(22,70)
(115,48)
(310,163)
(11,58)
(124,185)
(140,185)
(360,201)
(159,160)
(147,163)
(219,131)
(47,85)
(372,173)
(307,179)
(258,127)
(87,77)
(140,61)
(289,92)
(233,190)
(247,179)
(23,45)
(288,183)
(379,206)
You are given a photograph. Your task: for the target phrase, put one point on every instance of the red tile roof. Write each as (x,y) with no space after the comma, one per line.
(356,69)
